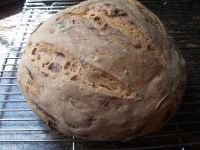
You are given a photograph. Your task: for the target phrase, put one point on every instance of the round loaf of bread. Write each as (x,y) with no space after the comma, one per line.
(103,70)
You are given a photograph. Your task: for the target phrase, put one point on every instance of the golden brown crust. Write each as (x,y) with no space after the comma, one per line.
(103,71)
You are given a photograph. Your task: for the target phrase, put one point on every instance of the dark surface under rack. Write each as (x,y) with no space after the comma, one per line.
(21,129)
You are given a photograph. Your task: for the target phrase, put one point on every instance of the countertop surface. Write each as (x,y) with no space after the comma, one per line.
(9,18)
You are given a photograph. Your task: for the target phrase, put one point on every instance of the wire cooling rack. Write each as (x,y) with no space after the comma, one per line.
(21,129)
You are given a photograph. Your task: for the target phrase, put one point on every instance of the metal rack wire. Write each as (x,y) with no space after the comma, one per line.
(21,129)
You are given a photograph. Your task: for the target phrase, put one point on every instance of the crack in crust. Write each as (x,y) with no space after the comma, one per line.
(76,70)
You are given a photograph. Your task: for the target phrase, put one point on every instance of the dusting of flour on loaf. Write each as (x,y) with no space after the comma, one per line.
(103,70)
